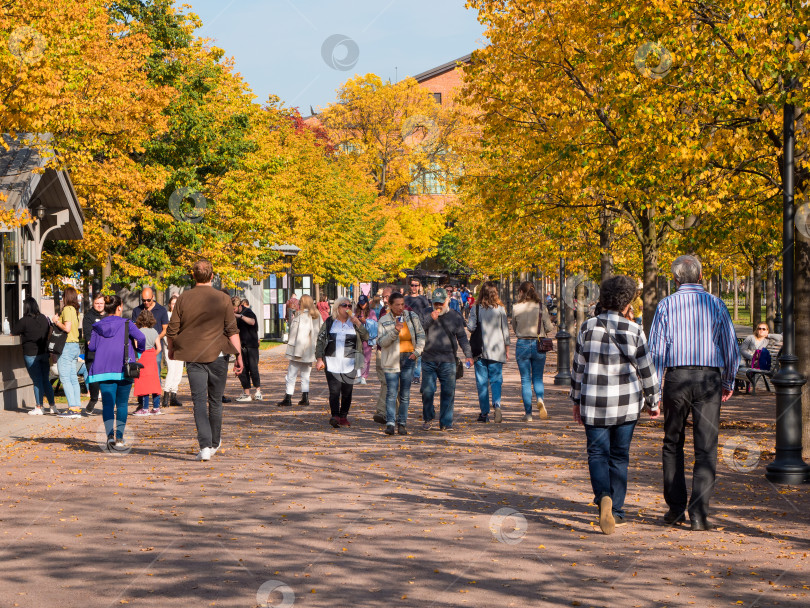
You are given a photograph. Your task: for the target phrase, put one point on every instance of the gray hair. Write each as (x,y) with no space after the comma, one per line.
(687,269)
(336,305)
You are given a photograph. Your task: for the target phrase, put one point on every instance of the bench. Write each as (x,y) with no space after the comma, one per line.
(747,374)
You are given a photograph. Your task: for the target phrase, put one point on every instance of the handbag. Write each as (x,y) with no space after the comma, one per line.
(57,339)
(477,336)
(459,362)
(544,344)
(132,369)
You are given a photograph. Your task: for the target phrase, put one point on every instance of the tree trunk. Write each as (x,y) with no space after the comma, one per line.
(749,294)
(756,309)
(801,295)
(649,256)
(606,238)
(736,317)
(770,291)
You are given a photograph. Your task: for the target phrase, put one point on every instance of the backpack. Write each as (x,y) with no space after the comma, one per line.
(371,326)
(761,359)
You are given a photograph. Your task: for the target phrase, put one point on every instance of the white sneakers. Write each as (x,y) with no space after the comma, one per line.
(37,411)
(527,418)
(204,455)
(244,399)
(258,395)
(541,408)
(214,450)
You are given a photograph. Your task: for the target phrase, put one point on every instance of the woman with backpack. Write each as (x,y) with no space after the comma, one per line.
(33,330)
(489,317)
(530,321)
(340,351)
(68,321)
(113,352)
(301,349)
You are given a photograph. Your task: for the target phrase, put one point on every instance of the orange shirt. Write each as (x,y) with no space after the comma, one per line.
(405,341)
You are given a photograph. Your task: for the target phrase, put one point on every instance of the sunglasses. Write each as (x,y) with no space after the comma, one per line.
(762,329)
(414,284)
(345,306)
(147,299)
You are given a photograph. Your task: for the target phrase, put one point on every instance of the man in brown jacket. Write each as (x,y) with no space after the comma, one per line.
(202,332)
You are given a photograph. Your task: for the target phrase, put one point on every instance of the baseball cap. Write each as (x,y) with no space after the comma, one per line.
(439,296)
(362,300)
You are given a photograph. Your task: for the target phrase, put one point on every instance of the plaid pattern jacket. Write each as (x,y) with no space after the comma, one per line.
(606,384)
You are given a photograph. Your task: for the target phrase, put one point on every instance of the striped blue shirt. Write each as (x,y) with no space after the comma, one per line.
(693,327)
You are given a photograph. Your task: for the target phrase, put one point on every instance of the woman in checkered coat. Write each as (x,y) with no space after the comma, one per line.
(613,379)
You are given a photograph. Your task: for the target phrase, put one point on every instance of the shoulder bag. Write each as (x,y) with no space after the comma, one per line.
(132,369)
(56,340)
(544,344)
(459,362)
(477,336)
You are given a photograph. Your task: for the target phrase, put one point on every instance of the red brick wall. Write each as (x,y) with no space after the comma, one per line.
(446,84)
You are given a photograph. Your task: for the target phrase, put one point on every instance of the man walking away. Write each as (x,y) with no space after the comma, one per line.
(694,348)
(444,333)
(202,333)
(248,326)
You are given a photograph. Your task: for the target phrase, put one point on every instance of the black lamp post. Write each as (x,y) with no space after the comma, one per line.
(788,466)
(563,377)
(777,320)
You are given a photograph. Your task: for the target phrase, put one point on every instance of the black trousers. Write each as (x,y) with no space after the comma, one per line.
(698,392)
(250,361)
(340,395)
(207,383)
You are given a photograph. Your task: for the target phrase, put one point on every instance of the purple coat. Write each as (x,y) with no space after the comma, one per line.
(107,341)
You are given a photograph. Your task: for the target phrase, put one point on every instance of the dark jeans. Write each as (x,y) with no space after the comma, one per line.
(39,370)
(250,360)
(399,384)
(698,392)
(608,457)
(207,383)
(114,401)
(445,372)
(340,395)
(94,390)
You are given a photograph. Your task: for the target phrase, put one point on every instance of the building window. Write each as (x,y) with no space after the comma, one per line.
(438,98)
(432,181)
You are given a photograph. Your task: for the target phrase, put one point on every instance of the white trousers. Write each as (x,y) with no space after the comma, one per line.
(173,375)
(296,367)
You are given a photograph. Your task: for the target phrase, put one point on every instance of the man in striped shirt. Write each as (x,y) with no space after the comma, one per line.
(693,340)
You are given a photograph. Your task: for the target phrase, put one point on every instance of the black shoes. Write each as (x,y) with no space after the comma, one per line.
(174,401)
(379,419)
(304,399)
(673,517)
(286,402)
(483,418)
(389,429)
(91,405)
(401,430)
(700,524)
(226,399)
(334,421)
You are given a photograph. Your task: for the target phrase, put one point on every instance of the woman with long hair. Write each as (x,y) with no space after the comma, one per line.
(323,307)
(612,379)
(530,321)
(339,350)
(68,321)
(368,318)
(110,346)
(174,369)
(490,314)
(33,330)
(148,383)
(301,349)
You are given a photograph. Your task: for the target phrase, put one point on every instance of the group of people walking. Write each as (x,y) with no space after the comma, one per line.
(687,367)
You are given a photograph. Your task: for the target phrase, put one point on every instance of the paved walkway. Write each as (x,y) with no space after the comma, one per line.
(293,512)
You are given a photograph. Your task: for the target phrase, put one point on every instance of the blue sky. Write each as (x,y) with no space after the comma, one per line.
(278,45)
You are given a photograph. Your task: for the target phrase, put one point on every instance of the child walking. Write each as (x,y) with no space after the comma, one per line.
(148,383)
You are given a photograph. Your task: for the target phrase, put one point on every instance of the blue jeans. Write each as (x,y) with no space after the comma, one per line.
(531,364)
(66,364)
(445,372)
(114,400)
(39,370)
(608,457)
(488,373)
(417,369)
(399,383)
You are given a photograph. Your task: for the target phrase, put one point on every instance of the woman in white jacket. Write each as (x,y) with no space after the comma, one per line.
(301,349)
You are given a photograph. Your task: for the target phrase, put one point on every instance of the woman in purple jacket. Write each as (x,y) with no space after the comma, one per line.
(107,341)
